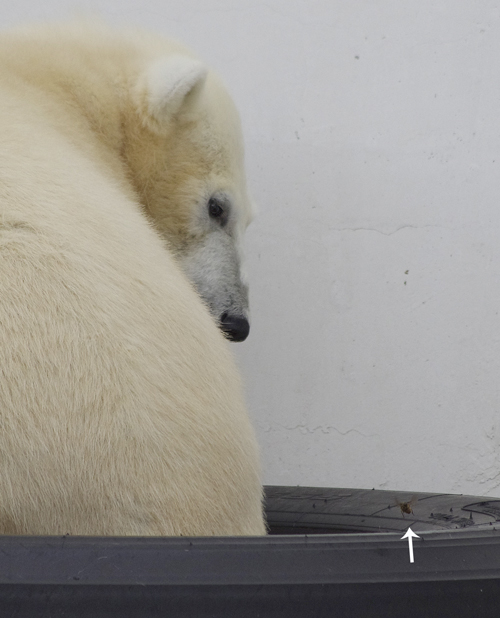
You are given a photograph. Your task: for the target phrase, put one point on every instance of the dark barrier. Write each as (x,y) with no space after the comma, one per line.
(454,573)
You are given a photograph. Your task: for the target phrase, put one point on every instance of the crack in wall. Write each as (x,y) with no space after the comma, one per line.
(371,229)
(326,429)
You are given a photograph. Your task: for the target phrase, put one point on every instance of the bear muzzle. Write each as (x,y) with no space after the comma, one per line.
(234,327)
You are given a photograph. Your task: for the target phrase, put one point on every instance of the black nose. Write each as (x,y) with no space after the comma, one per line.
(235,327)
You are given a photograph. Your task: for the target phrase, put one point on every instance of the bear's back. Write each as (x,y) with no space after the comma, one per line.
(121,407)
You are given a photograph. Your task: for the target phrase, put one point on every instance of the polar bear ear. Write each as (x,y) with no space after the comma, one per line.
(166,84)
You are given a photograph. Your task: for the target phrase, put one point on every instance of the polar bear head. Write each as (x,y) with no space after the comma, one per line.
(186,161)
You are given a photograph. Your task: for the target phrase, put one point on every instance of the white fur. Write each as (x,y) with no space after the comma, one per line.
(121,410)
(169,80)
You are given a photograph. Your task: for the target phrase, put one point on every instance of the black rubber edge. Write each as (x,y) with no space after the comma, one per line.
(455,573)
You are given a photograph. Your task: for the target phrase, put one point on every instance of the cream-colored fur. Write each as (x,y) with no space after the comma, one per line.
(121,410)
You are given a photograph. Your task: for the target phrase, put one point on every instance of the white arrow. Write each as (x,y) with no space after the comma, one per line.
(409,534)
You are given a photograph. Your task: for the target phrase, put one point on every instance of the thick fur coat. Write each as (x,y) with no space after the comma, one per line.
(121,411)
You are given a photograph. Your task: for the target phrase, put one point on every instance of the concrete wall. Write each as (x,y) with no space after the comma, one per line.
(373,149)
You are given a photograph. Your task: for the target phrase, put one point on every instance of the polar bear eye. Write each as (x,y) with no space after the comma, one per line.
(217,211)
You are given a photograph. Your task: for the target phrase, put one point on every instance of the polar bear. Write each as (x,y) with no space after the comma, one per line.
(122,208)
